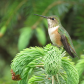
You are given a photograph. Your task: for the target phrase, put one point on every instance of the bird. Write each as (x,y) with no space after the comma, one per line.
(58,35)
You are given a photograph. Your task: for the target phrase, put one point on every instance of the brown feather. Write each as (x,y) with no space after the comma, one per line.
(67,46)
(57,38)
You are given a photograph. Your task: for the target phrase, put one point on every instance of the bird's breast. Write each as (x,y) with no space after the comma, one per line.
(55,36)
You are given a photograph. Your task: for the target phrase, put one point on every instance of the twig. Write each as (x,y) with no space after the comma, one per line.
(40,66)
(52,79)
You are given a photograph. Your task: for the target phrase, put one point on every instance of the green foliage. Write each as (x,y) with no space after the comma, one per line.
(3,29)
(24,38)
(45,23)
(78,23)
(82,82)
(80,67)
(7,78)
(36,65)
(24,66)
(34,79)
(72,74)
(41,36)
(17,14)
(23,11)
(52,59)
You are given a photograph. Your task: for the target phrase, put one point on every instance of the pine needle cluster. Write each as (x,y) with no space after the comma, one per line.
(47,65)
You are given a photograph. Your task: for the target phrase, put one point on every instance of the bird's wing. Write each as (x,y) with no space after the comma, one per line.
(67,42)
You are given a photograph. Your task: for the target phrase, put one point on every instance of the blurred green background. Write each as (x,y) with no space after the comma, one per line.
(20,28)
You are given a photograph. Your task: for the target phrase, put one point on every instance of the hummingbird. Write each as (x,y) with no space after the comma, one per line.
(58,35)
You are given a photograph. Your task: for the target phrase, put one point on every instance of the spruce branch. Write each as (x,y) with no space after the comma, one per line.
(80,67)
(37,65)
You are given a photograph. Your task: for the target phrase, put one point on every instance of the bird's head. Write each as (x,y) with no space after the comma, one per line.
(52,20)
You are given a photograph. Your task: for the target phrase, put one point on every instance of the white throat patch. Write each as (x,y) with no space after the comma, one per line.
(49,21)
(50,30)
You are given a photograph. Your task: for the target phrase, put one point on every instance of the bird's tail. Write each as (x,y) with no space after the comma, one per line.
(73,53)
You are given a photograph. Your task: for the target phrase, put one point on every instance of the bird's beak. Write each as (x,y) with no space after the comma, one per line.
(42,16)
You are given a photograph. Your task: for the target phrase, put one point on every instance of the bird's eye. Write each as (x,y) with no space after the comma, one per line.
(52,18)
